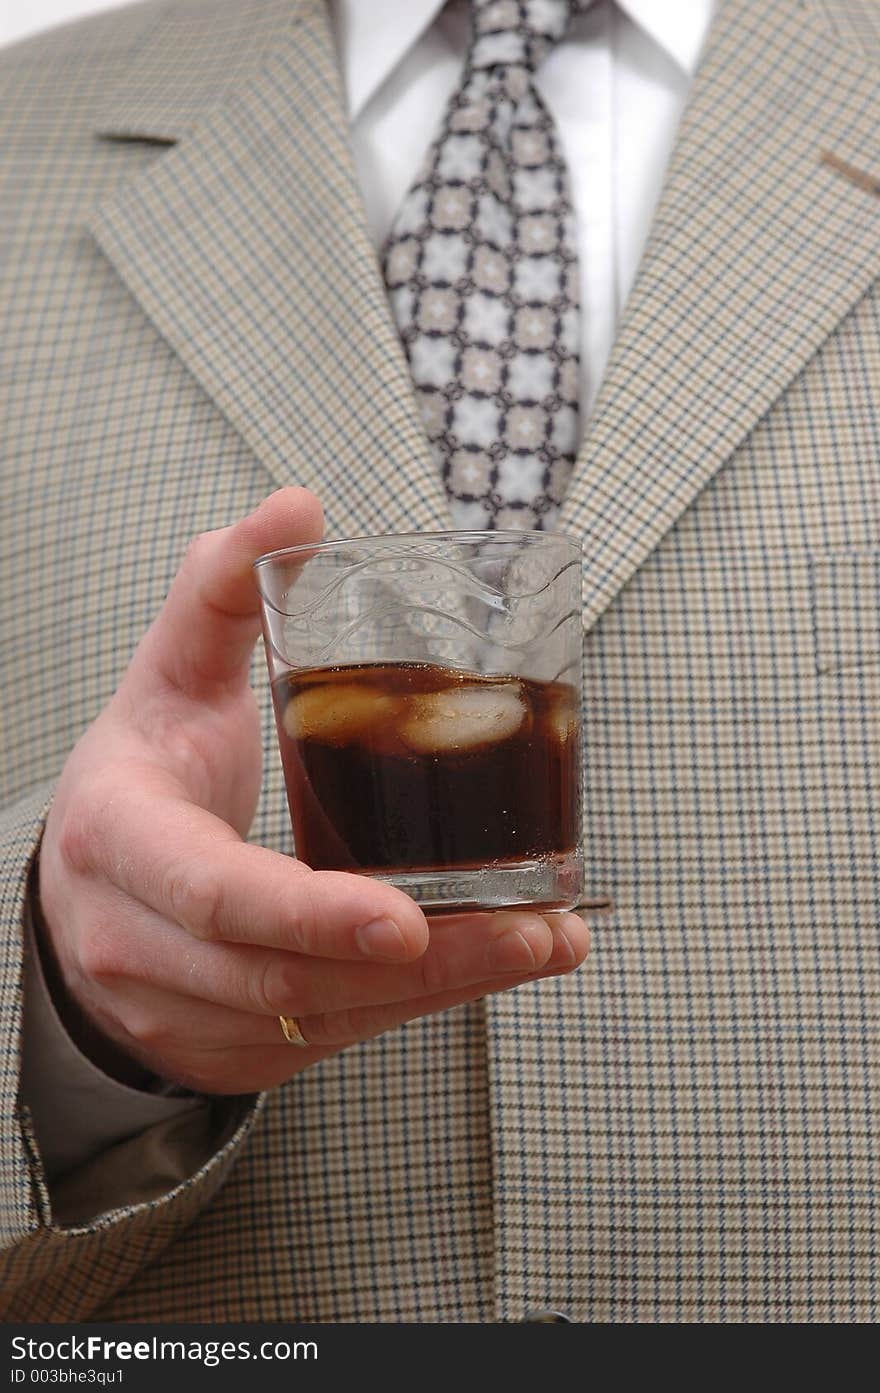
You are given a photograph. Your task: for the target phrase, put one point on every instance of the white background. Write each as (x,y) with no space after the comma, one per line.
(21,17)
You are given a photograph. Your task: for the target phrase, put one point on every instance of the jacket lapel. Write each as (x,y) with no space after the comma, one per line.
(758,249)
(247,246)
(187,62)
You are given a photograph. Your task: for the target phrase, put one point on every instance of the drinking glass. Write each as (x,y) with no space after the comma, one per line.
(427,692)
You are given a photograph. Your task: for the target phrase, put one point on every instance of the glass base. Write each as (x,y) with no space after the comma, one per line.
(546,883)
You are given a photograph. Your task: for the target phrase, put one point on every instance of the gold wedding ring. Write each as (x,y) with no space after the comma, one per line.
(291,1031)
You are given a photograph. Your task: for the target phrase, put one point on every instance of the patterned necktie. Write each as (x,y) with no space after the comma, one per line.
(481,266)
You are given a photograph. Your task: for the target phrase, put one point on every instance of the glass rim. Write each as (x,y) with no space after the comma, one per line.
(450,534)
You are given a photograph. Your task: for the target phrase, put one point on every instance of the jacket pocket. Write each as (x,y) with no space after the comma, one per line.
(846,608)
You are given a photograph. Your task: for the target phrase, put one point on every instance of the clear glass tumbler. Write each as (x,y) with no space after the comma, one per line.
(427,693)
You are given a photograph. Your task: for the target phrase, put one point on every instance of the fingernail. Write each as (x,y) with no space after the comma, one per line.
(382,939)
(564,954)
(513,952)
(571,945)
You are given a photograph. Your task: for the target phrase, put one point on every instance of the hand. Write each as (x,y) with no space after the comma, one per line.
(174,942)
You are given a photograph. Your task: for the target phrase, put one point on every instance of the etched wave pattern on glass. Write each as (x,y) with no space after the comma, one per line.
(494,605)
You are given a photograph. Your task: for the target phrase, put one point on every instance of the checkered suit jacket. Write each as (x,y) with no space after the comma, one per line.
(192,314)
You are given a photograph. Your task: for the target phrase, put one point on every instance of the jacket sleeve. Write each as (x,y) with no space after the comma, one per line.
(65,1249)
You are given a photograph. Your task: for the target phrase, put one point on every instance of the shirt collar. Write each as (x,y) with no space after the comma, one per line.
(372,36)
(679,27)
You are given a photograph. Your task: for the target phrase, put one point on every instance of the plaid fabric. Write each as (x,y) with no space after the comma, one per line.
(687,1128)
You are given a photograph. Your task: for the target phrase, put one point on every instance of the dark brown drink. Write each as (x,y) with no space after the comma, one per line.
(405,766)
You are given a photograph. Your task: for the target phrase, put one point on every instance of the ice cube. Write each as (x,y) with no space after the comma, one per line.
(336,713)
(463,718)
(562,716)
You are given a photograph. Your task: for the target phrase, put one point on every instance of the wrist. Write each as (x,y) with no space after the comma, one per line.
(92,1042)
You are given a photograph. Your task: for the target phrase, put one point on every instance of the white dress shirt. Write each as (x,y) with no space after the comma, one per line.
(616,87)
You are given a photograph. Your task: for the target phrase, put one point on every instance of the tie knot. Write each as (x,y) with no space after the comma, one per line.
(518,32)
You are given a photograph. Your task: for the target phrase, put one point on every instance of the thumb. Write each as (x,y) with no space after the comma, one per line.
(204,633)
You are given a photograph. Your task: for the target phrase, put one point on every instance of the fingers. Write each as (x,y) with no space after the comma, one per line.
(218,1050)
(462,951)
(320,942)
(341,1028)
(169,1019)
(204,633)
(191,868)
